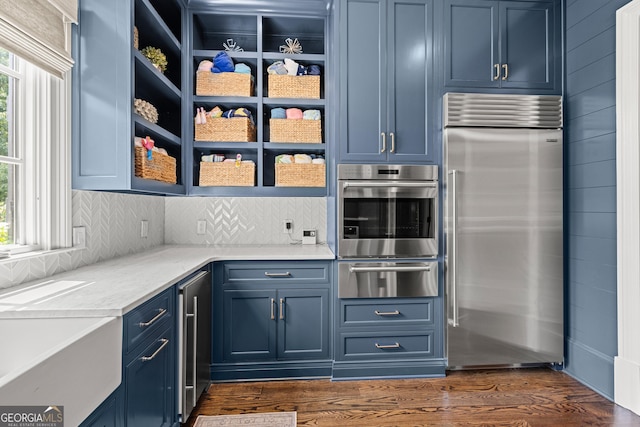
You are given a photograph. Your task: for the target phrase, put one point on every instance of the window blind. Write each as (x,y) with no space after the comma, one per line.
(39,31)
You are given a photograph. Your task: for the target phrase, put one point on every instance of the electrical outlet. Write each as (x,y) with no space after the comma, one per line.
(144,228)
(79,237)
(202,226)
(287,226)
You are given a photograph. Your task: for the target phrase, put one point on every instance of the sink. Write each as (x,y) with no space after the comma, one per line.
(74,362)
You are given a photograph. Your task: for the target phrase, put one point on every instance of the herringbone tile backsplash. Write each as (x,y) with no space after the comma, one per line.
(112,222)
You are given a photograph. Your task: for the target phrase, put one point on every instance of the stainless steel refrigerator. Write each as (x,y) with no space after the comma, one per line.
(503,225)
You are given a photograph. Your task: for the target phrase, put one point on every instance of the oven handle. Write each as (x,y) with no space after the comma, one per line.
(354,269)
(454,321)
(387,184)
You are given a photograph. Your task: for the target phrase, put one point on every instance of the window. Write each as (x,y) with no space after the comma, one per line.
(34,158)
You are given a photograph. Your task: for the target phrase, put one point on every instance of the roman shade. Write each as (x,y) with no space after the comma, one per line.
(39,31)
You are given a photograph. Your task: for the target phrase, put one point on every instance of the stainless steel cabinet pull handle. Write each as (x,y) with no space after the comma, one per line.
(273,314)
(164,342)
(384,347)
(384,142)
(453,252)
(285,274)
(393,142)
(505,67)
(281,308)
(354,269)
(386,184)
(161,312)
(194,361)
(497,68)
(387,313)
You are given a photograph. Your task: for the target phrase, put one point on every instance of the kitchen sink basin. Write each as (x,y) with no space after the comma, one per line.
(74,362)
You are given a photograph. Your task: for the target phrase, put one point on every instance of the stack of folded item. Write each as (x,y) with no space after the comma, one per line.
(288,79)
(221,77)
(295,125)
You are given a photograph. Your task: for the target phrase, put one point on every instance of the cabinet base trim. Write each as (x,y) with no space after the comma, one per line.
(270,371)
(389,369)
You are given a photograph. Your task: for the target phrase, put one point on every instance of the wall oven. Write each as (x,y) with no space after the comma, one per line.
(387,211)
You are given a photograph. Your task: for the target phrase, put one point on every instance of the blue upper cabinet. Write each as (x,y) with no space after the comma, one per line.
(502,45)
(386,57)
(110,73)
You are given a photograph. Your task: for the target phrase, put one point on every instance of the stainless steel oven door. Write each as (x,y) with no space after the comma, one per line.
(387,279)
(387,219)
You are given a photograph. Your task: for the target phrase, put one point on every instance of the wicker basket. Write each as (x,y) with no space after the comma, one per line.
(135,37)
(285,86)
(300,175)
(223,84)
(289,130)
(234,129)
(160,168)
(227,174)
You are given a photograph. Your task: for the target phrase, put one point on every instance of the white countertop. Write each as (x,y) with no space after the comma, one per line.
(114,287)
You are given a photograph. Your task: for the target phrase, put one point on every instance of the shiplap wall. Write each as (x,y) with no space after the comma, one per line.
(590,132)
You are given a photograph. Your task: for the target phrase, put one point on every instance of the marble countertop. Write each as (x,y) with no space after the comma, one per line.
(116,286)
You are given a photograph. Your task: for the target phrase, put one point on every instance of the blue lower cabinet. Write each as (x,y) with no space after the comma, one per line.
(149,385)
(390,337)
(108,414)
(271,320)
(147,396)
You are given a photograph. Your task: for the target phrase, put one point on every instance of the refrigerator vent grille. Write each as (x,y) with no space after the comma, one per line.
(497,110)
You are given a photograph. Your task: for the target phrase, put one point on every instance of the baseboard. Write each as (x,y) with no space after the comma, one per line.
(270,370)
(388,369)
(627,384)
(591,367)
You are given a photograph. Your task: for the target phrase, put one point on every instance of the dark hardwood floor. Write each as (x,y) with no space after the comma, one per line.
(505,397)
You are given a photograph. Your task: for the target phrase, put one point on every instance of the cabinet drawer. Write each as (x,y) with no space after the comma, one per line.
(144,320)
(358,313)
(386,345)
(280,273)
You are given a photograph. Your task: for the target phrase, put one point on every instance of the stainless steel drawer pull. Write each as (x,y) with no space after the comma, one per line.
(281,308)
(386,347)
(285,274)
(354,269)
(387,313)
(273,314)
(161,312)
(164,342)
(387,184)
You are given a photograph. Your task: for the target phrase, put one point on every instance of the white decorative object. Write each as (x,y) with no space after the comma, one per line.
(291,46)
(232,46)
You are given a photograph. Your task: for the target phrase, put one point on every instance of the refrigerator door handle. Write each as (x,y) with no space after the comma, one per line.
(452,268)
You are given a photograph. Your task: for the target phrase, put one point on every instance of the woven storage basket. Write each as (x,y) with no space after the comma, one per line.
(289,130)
(285,86)
(223,84)
(160,168)
(234,129)
(227,174)
(300,175)
(135,37)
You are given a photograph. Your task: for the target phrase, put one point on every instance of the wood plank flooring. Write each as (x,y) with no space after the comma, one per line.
(503,397)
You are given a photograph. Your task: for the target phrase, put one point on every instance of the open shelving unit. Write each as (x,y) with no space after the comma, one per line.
(260,37)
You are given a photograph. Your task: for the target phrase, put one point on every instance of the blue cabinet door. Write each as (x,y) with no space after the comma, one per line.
(471,43)
(249,325)
(303,324)
(386,74)
(363,100)
(150,384)
(501,44)
(527,42)
(108,414)
(409,43)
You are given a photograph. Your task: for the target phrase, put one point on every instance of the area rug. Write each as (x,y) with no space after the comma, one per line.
(268,419)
